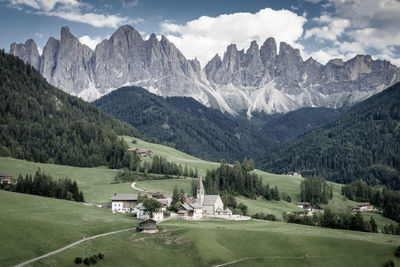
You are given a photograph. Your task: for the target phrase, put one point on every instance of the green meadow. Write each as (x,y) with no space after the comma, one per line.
(31,226)
(173,155)
(94,182)
(250,243)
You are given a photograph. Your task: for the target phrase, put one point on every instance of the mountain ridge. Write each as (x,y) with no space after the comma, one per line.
(256,80)
(363,143)
(204,132)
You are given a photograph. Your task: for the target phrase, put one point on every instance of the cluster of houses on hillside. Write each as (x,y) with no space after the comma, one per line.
(6,178)
(191,209)
(309,210)
(143,153)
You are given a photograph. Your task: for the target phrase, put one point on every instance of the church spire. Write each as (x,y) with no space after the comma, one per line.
(200,192)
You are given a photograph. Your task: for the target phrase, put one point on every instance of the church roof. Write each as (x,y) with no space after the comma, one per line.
(200,185)
(124,196)
(209,200)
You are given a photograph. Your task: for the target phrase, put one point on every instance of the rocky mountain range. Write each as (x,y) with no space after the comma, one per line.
(259,79)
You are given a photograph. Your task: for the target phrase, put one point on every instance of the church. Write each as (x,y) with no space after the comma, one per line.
(205,205)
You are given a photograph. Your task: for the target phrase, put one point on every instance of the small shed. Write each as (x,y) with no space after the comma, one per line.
(148,226)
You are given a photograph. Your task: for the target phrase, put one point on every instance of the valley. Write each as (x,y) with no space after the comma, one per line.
(209,133)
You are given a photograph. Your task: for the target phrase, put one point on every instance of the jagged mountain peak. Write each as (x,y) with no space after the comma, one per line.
(258,79)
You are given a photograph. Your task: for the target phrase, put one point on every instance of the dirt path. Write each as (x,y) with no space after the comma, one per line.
(253,258)
(138,189)
(70,246)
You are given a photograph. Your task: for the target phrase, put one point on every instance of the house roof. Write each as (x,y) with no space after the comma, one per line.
(5,175)
(302,203)
(140,206)
(181,211)
(164,201)
(209,200)
(228,210)
(124,197)
(148,221)
(186,206)
(195,205)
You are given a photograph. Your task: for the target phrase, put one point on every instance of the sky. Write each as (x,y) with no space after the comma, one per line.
(322,29)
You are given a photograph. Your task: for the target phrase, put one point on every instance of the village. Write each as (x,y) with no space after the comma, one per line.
(202,207)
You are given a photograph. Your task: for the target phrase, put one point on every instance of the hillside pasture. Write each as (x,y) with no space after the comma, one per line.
(248,243)
(31,226)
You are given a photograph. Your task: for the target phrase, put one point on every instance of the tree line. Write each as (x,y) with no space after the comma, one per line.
(315,190)
(45,185)
(334,219)
(134,170)
(388,200)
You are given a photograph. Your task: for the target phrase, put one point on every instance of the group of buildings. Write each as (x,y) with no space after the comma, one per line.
(191,209)
(143,153)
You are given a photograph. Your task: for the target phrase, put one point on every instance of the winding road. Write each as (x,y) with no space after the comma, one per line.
(70,246)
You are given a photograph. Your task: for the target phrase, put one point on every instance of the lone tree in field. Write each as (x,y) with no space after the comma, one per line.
(152,205)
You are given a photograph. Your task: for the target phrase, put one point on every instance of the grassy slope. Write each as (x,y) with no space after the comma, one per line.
(174,155)
(166,186)
(94,182)
(208,243)
(37,225)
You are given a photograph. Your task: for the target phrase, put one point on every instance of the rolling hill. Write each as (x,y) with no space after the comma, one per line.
(363,143)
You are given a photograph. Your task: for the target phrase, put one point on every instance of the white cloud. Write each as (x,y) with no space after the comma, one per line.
(73,10)
(130,4)
(96,20)
(206,36)
(40,35)
(40,50)
(357,26)
(333,29)
(91,42)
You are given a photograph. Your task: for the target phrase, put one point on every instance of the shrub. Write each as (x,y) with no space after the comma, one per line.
(78,260)
(397,253)
(101,256)
(93,260)
(86,261)
(389,263)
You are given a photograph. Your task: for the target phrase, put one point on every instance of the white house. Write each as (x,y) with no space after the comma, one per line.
(143,214)
(304,205)
(190,211)
(123,202)
(365,206)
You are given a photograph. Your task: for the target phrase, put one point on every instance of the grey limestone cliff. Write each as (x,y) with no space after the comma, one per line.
(258,79)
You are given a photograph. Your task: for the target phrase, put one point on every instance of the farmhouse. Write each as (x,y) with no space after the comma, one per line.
(6,178)
(304,205)
(143,214)
(143,153)
(147,226)
(190,211)
(295,174)
(123,202)
(364,206)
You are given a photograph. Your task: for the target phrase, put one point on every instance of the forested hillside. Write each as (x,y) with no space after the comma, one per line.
(41,123)
(205,132)
(364,143)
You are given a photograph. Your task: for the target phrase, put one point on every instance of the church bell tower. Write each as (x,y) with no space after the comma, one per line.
(200,192)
